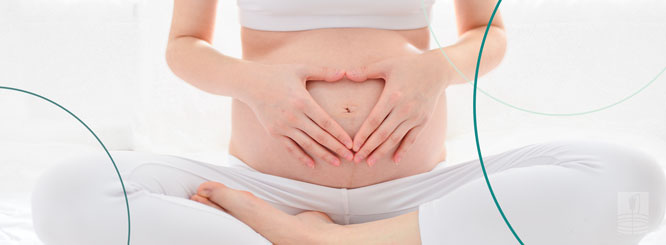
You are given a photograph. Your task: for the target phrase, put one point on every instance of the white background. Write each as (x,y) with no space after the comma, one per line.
(104,60)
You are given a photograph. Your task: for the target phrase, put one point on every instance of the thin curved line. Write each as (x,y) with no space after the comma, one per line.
(98,140)
(432,32)
(476,133)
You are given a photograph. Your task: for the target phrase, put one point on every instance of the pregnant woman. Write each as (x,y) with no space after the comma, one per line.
(338,128)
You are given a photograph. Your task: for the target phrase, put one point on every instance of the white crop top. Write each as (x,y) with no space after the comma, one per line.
(295,15)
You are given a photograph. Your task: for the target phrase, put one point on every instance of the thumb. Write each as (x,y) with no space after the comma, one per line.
(310,72)
(375,70)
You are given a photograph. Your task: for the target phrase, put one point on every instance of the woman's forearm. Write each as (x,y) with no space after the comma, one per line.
(464,53)
(199,64)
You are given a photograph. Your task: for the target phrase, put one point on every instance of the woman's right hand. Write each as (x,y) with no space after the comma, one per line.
(284,107)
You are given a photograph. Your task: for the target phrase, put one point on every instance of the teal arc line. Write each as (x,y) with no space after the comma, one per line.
(476,133)
(98,140)
(528,110)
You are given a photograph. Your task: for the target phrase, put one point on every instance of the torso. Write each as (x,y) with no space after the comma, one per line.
(338,48)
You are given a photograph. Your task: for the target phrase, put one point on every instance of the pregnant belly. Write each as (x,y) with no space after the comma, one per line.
(348,103)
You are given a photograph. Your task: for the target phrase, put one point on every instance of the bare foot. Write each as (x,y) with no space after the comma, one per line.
(309,227)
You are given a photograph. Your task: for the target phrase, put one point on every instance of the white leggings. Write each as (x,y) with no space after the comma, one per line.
(561,192)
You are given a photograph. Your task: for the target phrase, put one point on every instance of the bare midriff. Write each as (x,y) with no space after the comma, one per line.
(347,102)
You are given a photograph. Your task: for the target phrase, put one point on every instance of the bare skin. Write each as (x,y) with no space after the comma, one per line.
(290,102)
(250,143)
(313,98)
(309,227)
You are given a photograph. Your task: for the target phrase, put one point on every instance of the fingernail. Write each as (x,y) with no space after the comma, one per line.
(349,156)
(335,161)
(371,161)
(357,158)
(205,192)
(349,144)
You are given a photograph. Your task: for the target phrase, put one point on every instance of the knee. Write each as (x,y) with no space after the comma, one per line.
(626,170)
(611,159)
(68,178)
(636,169)
(64,195)
(641,186)
(646,176)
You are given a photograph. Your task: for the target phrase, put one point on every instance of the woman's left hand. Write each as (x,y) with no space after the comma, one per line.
(411,90)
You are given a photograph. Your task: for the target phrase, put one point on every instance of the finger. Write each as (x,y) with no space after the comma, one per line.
(374,70)
(375,118)
(296,150)
(390,143)
(407,142)
(321,118)
(313,148)
(323,73)
(325,139)
(205,201)
(378,137)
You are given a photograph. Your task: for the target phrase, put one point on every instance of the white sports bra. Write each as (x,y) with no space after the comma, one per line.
(295,15)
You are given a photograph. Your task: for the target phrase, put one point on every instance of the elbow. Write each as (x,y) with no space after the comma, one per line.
(171,55)
(175,53)
(495,42)
(499,43)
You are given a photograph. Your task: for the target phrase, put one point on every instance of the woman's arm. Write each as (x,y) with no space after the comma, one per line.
(414,83)
(276,93)
(472,16)
(192,58)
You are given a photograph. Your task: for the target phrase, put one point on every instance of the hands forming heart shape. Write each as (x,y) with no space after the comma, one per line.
(285,108)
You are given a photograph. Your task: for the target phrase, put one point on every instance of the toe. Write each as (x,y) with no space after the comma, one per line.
(235,201)
(241,203)
(206,188)
(272,223)
(205,201)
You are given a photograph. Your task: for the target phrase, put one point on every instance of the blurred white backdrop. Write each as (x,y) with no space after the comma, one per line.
(104,60)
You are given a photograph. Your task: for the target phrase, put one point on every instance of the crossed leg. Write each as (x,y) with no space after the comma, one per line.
(310,227)
(557,193)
